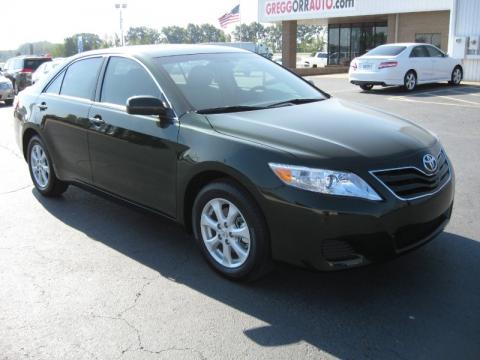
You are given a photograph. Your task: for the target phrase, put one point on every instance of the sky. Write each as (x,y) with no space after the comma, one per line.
(54,20)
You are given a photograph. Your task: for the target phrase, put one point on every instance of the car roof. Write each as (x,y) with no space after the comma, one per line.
(30,57)
(160,50)
(405,44)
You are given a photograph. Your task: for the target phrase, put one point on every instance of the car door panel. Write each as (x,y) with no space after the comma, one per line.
(132,156)
(65,123)
(441,69)
(62,110)
(421,63)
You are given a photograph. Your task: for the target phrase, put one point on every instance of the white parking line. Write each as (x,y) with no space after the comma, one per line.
(453,99)
(403,98)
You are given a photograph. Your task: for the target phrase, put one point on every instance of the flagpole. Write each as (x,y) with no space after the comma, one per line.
(240,17)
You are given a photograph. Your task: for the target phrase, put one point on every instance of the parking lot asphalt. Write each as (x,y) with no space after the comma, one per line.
(84,278)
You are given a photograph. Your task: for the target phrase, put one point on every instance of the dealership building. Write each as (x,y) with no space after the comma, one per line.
(356,26)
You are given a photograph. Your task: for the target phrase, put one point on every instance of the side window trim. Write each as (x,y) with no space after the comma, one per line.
(103,72)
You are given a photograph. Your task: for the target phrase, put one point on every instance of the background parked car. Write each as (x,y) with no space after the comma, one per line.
(19,70)
(45,68)
(407,64)
(317,59)
(6,90)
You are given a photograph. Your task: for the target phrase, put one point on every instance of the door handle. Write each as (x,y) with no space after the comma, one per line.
(97,120)
(43,106)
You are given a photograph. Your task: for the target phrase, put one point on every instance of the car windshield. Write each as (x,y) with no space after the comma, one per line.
(235,80)
(387,50)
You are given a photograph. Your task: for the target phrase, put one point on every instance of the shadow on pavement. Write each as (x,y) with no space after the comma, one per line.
(423,305)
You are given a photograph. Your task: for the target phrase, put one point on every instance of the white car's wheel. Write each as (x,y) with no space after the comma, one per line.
(457,76)
(410,81)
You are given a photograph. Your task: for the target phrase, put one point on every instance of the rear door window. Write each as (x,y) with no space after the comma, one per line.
(81,78)
(419,52)
(55,86)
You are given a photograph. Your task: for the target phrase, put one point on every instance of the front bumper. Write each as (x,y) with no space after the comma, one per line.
(329,233)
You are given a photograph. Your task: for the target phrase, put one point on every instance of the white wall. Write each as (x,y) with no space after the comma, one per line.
(360,8)
(467,23)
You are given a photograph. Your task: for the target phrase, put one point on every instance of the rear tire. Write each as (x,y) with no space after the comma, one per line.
(410,81)
(457,76)
(245,256)
(366,87)
(41,169)
(9,102)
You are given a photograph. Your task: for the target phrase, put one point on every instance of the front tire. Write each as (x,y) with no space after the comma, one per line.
(231,232)
(366,87)
(410,81)
(457,76)
(41,169)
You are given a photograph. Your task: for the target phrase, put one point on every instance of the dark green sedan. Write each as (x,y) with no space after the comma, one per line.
(257,162)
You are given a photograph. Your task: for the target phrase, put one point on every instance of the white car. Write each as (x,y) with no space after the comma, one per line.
(404,64)
(45,68)
(317,59)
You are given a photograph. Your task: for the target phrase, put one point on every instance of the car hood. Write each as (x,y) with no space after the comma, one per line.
(328,130)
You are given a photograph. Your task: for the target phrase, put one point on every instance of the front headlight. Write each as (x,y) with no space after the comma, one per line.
(325,181)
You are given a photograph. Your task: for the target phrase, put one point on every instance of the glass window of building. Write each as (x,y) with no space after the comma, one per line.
(348,41)
(434,39)
(333,45)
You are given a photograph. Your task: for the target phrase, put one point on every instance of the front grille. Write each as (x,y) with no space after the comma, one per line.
(410,182)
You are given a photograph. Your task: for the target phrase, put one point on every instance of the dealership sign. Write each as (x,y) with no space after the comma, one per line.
(275,10)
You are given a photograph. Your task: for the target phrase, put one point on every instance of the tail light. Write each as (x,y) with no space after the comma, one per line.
(26,70)
(354,65)
(387,64)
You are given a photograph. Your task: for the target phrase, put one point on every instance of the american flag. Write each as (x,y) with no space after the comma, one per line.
(231,17)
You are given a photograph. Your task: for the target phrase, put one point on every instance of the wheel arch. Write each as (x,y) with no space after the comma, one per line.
(414,71)
(202,177)
(26,137)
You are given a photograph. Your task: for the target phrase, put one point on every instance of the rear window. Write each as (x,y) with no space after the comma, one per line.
(34,63)
(387,50)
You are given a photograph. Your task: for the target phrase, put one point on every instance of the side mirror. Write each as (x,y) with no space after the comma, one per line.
(146,105)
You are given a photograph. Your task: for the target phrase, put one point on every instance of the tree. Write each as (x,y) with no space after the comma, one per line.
(310,38)
(90,42)
(251,32)
(175,34)
(273,37)
(143,35)
(211,34)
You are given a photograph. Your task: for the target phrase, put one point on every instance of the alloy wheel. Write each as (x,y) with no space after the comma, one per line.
(410,81)
(225,233)
(40,166)
(457,76)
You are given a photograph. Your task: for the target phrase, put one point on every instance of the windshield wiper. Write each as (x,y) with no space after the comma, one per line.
(294,102)
(228,109)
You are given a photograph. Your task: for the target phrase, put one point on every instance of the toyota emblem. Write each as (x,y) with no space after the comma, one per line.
(430,163)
